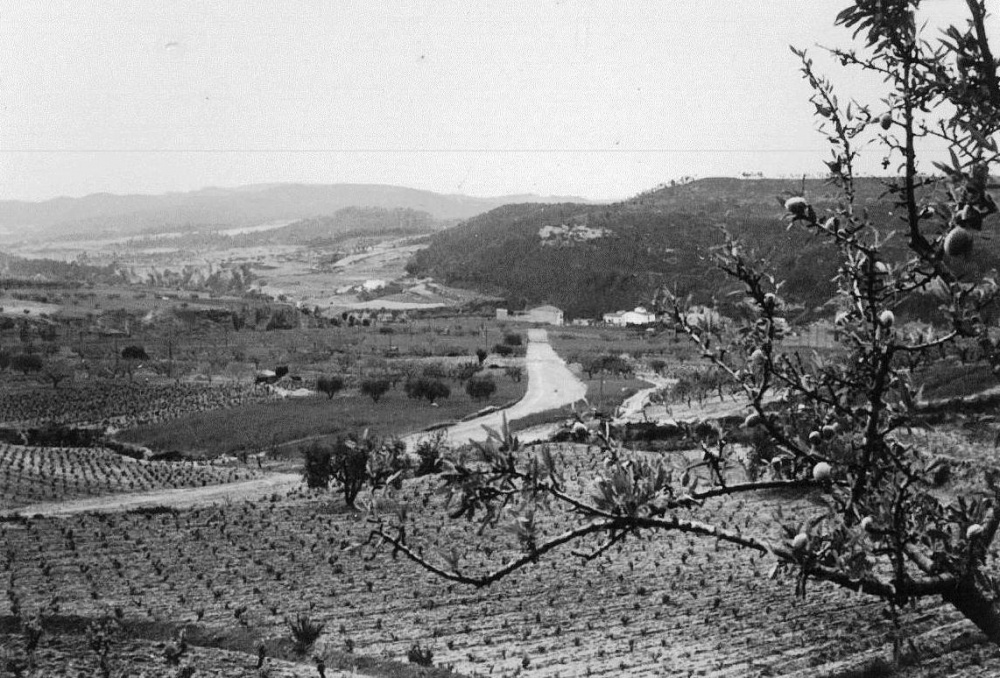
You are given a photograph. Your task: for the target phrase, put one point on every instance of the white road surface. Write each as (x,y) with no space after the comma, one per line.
(551,385)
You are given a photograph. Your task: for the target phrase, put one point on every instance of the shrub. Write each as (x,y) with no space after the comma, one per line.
(317,469)
(481,355)
(134,353)
(465,371)
(503,350)
(420,656)
(429,451)
(513,339)
(349,466)
(305,632)
(26,362)
(480,388)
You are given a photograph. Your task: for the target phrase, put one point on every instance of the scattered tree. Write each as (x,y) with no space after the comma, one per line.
(57,371)
(430,390)
(26,363)
(331,385)
(354,462)
(132,355)
(375,388)
(481,388)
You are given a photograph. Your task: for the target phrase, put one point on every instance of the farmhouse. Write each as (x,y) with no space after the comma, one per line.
(639,316)
(546,315)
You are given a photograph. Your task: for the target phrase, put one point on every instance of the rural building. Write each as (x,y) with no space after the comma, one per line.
(546,315)
(638,316)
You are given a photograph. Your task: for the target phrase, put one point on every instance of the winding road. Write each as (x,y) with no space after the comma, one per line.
(551,384)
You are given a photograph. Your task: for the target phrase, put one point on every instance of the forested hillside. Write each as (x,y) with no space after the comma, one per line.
(590,259)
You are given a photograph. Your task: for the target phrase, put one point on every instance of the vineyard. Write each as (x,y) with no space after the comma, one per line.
(670,606)
(31,475)
(124,404)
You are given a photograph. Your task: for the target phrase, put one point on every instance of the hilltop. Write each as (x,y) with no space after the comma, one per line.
(106,214)
(590,259)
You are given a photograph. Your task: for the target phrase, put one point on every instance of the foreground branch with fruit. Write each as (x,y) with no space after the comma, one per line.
(838,425)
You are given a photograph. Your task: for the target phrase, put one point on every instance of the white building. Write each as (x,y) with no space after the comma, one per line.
(639,316)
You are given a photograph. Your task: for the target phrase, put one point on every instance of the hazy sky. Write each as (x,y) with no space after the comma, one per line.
(484,97)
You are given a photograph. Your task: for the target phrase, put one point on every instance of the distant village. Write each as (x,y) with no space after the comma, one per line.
(820,334)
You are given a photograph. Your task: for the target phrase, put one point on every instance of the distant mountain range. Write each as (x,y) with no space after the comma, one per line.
(107,214)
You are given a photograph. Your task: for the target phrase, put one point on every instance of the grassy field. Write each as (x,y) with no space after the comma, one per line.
(264,425)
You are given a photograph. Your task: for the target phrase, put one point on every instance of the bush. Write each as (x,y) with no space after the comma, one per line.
(305,632)
(503,350)
(465,371)
(375,388)
(481,355)
(513,339)
(420,656)
(26,362)
(481,388)
(434,371)
(317,467)
(134,353)
(429,451)
(354,462)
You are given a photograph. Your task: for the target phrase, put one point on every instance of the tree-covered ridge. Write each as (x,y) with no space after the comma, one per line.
(655,239)
(26,272)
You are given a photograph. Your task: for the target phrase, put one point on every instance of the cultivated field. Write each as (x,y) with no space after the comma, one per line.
(664,606)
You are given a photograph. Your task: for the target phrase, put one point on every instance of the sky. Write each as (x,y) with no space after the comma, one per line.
(597,99)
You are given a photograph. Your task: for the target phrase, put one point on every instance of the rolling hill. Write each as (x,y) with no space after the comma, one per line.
(104,214)
(590,259)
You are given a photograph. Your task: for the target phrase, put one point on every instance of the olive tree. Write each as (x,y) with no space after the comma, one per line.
(837,425)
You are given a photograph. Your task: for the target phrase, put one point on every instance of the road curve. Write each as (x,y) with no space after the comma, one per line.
(551,385)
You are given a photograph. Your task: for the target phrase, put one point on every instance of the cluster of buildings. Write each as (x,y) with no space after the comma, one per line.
(551,315)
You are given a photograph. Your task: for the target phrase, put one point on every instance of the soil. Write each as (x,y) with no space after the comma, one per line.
(179,498)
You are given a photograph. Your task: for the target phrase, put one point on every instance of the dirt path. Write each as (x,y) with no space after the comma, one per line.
(551,385)
(179,498)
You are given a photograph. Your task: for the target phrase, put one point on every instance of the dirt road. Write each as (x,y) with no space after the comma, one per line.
(551,385)
(180,498)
